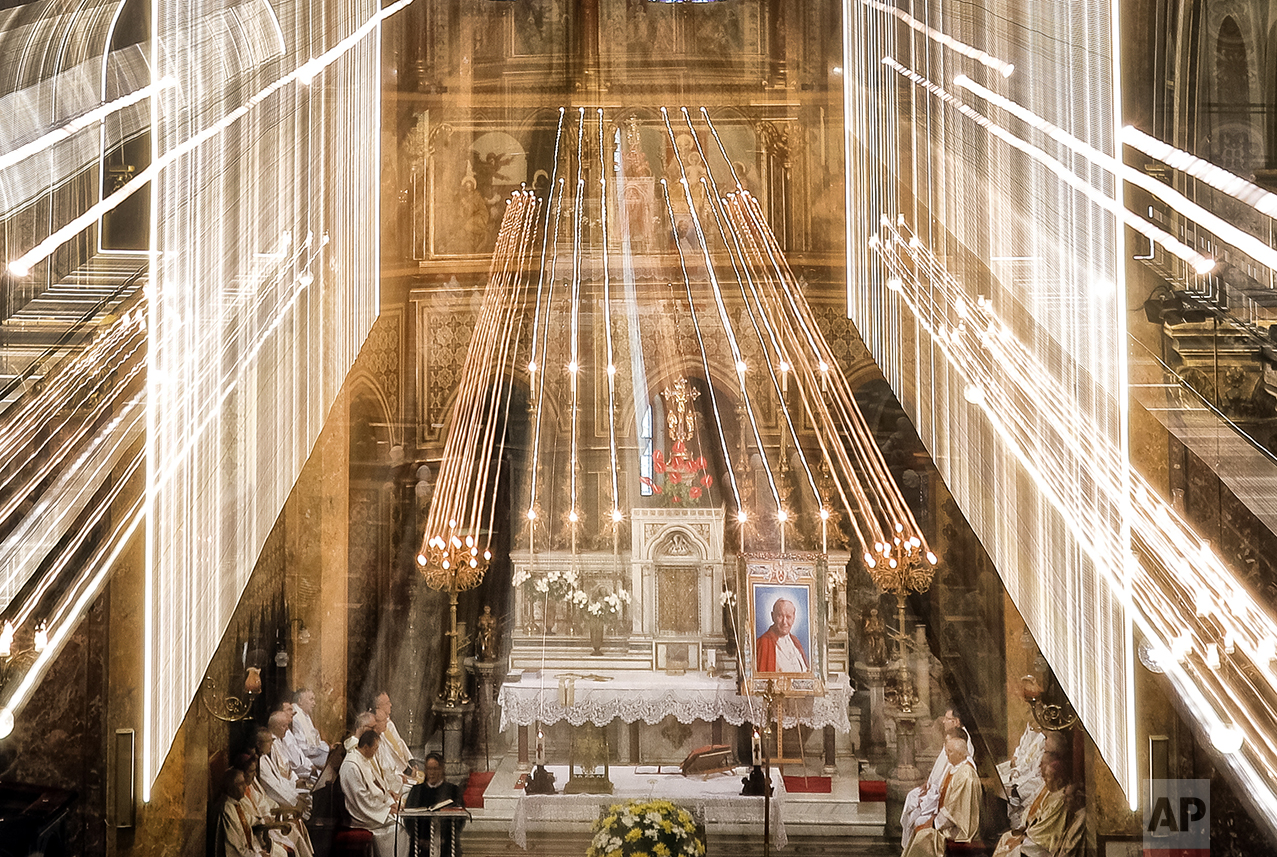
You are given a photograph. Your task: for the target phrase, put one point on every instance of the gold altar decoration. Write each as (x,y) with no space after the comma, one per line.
(900,578)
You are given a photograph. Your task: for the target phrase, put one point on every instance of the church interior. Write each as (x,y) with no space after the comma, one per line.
(836,427)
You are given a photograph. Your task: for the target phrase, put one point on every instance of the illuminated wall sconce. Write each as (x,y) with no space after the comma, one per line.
(1050,709)
(231,708)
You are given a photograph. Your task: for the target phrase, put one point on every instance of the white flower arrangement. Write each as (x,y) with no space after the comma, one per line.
(612,604)
(727,598)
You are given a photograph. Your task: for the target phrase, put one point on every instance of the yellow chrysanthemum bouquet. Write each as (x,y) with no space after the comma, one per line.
(647,828)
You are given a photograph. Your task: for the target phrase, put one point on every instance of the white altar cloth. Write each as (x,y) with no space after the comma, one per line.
(714,800)
(633,695)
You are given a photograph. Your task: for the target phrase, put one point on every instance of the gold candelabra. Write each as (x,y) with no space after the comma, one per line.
(453,565)
(900,577)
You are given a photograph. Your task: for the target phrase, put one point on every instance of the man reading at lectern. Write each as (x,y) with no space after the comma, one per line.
(435,837)
(778,650)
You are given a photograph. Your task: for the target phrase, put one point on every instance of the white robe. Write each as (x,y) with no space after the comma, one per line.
(388,768)
(235,840)
(297,837)
(958,817)
(296,756)
(1026,774)
(255,814)
(398,747)
(277,779)
(788,658)
(920,805)
(308,737)
(369,805)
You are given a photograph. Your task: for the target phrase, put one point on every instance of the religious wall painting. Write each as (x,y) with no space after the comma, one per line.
(717,36)
(637,204)
(540,28)
(472,174)
(784,617)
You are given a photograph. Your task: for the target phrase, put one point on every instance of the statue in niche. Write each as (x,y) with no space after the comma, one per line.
(486,639)
(873,638)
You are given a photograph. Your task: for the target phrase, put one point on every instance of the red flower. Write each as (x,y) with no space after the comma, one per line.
(694,493)
(680,449)
(707,480)
(656,488)
(674,476)
(646,481)
(658,463)
(674,498)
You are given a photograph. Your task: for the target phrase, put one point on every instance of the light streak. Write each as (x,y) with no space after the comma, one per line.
(22,266)
(1227,232)
(1002,67)
(1202,264)
(1217,177)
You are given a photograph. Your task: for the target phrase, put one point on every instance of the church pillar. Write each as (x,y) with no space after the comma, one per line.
(905,775)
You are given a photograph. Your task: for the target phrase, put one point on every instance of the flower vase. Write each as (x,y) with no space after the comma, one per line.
(596,638)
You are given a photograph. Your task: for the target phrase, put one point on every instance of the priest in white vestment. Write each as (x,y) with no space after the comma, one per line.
(922,802)
(285,827)
(396,749)
(371,807)
(1022,773)
(276,776)
(308,738)
(957,817)
(364,721)
(286,743)
(1045,820)
(235,837)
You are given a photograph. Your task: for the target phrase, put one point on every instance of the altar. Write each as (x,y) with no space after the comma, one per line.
(714,800)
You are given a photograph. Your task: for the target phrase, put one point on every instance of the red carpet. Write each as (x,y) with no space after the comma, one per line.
(808,785)
(475,787)
(873,790)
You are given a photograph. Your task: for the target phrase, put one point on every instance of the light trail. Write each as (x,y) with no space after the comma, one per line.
(22,266)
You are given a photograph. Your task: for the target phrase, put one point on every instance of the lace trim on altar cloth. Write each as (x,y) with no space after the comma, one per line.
(523,704)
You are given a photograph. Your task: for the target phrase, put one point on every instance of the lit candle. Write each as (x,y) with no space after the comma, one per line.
(41,637)
(758,748)
(540,748)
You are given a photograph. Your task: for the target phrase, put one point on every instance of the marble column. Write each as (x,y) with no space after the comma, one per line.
(485,709)
(875,748)
(905,775)
(454,716)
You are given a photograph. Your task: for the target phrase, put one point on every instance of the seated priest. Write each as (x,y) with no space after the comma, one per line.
(397,748)
(289,838)
(393,767)
(277,779)
(370,806)
(957,815)
(922,802)
(1046,819)
(363,722)
(778,650)
(312,744)
(280,724)
(235,834)
(433,837)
